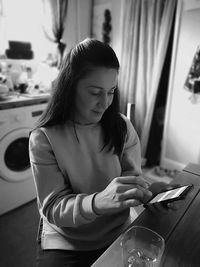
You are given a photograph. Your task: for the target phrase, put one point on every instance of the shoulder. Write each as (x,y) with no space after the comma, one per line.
(129,125)
(132,136)
(46,133)
(37,135)
(38,140)
(51,136)
(41,137)
(124,118)
(40,148)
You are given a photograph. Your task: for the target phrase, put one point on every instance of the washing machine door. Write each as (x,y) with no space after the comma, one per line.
(14,156)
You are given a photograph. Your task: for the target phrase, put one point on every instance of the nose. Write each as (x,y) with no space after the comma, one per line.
(104,101)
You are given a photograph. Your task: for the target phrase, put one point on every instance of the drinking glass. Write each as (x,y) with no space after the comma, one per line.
(141,247)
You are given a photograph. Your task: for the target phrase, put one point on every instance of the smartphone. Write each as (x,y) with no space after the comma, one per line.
(170,195)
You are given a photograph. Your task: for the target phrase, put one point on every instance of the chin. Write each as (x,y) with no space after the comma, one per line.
(97,118)
(95,121)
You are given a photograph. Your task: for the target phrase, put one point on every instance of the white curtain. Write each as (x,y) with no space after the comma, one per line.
(55,13)
(3,43)
(146,30)
(80,16)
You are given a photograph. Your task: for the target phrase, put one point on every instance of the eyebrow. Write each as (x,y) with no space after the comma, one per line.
(99,87)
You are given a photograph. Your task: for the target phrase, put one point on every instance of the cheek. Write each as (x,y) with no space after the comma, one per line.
(110,100)
(82,100)
(92,101)
(86,104)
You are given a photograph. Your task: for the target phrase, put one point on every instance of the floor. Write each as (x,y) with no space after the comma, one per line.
(158,174)
(18,230)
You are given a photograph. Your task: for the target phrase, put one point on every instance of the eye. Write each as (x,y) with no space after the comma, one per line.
(111,92)
(95,93)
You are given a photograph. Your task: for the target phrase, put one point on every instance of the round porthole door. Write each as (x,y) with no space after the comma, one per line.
(14,156)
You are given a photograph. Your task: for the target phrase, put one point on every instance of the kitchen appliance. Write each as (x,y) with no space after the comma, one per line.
(16,182)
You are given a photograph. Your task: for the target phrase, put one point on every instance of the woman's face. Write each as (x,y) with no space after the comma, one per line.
(94,94)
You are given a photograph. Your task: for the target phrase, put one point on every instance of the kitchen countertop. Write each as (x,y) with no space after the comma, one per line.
(21,100)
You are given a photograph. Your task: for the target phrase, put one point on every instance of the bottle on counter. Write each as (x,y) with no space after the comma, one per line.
(5,77)
(23,80)
(9,82)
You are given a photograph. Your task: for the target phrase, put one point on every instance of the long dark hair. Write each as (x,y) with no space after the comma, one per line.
(78,63)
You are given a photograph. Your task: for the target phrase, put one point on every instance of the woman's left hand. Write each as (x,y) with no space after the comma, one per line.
(160,187)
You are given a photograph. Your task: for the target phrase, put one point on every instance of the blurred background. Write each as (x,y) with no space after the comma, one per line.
(157,43)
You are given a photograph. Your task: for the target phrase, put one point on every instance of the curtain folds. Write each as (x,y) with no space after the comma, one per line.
(3,43)
(55,12)
(146,30)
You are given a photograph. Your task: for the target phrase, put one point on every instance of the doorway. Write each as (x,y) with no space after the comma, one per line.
(156,130)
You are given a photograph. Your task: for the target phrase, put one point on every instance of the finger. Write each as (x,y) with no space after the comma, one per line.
(147,194)
(131,203)
(172,186)
(137,180)
(132,193)
(158,187)
(163,207)
(172,206)
(126,187)
(137,192)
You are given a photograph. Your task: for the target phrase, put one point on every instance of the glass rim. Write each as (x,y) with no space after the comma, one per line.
(142,227)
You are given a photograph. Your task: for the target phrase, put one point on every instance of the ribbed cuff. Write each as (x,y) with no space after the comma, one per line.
(87,207)
(93,208)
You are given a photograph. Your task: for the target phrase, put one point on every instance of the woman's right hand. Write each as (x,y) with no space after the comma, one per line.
(123,192)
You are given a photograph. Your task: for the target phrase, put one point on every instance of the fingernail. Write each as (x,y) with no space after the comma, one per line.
(149,193)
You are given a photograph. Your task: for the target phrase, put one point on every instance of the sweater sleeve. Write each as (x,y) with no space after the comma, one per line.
(131,155)
(56,200)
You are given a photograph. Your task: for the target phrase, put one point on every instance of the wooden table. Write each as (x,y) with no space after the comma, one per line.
(180,228)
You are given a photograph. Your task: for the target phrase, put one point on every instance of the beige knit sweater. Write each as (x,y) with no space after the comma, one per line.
(67,172)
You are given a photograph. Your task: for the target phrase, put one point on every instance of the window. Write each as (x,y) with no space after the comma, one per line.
(21,20)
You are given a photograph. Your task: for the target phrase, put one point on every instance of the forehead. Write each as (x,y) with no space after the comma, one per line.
(101,76)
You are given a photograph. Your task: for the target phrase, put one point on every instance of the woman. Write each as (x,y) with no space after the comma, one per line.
(85,159)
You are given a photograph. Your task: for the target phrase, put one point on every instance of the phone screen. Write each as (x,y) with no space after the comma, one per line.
(170,195)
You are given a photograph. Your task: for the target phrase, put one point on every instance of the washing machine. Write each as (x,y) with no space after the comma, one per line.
(16,181)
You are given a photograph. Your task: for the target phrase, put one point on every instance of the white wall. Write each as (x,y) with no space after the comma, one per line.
(115,7)
(181,141)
